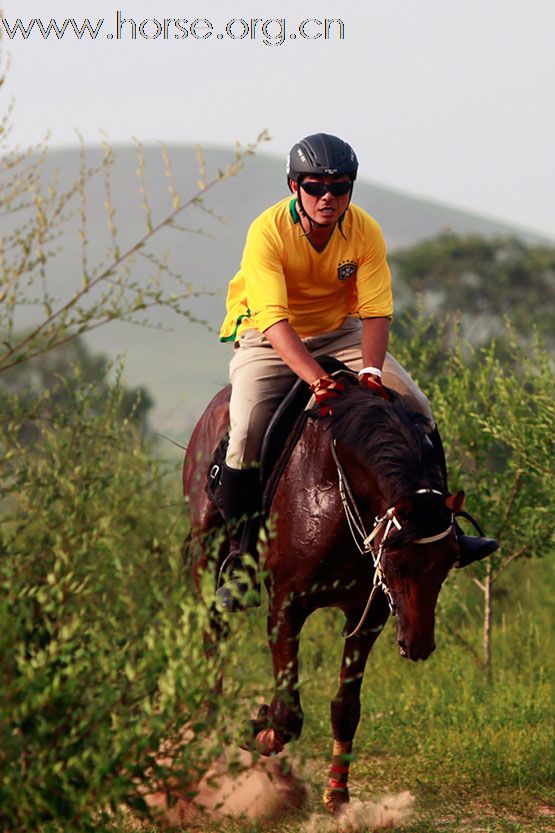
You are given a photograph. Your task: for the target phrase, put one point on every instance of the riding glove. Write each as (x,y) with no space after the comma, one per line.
(374,385)
(326,389)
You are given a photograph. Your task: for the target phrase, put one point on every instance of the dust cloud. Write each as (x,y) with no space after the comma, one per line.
(365,816)
(247,787)
(238,785)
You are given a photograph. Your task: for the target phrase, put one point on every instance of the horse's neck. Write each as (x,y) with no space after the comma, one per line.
(363,482)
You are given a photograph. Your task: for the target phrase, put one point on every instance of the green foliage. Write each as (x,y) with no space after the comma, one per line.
(496,413)
(38,389)
(104,680)
(498,419)
(102,657)
(482,281)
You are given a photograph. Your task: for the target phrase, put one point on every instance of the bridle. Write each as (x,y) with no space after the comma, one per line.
(365,541)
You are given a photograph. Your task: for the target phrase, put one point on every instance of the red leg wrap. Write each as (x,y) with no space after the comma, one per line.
(337,785)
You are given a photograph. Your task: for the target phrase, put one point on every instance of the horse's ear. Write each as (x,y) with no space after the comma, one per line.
(404,507)
(455,502)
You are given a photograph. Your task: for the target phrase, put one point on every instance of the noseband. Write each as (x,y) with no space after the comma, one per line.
(365,541)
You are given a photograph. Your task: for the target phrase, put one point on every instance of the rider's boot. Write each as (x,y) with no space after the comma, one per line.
(241,508)
(472,548)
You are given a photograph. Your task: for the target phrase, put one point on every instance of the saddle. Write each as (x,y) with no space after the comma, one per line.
(281,437)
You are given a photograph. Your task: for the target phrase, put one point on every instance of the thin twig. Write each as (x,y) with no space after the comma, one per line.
(176,202)
(169,439)
(201,167)
(142,179)
(88,327)
(468,645)
(231,169)
(518,554)
(83,208)
(108,202)
(517,484)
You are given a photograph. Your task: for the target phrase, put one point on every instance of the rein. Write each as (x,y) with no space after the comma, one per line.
(365,541)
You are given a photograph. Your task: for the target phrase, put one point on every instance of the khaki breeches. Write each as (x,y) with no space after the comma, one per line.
(260,380)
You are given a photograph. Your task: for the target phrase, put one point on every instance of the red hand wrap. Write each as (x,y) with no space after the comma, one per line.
(325,389)
(374,385)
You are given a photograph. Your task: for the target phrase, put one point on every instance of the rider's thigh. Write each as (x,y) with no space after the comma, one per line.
(260,380)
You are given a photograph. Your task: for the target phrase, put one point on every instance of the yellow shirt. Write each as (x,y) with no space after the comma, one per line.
(283,277)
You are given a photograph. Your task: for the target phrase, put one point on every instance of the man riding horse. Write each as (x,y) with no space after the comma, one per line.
(314,281)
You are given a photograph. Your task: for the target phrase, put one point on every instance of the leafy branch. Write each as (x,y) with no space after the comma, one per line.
(74,317)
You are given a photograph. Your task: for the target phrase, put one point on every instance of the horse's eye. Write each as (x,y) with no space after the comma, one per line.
(399,569)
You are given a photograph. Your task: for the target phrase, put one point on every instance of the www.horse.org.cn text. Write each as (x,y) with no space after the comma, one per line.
(273,31)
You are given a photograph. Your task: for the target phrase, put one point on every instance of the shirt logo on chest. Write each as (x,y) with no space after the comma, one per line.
(346,269)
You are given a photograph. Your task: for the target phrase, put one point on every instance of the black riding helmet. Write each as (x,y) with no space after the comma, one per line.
(320,155)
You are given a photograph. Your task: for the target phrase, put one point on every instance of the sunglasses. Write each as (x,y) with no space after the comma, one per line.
(318,189)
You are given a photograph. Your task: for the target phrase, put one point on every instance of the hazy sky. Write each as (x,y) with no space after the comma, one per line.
(444,99)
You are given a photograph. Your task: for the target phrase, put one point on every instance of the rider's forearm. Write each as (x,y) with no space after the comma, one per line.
(375,338)
(290,348)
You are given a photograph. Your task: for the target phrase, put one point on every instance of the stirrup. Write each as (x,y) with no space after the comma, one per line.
(473,548)
(241,588)
(237,594)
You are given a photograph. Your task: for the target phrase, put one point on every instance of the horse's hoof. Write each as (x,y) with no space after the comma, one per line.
(258,721)
(267,743)
(335,798)
(259,717)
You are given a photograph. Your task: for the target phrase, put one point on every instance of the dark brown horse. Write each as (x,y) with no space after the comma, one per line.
(361,506)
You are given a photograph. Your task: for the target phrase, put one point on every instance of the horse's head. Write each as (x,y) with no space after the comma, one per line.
(414,562)
(395,475)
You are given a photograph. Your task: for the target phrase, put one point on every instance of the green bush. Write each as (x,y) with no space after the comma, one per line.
(102,656)
(495,407)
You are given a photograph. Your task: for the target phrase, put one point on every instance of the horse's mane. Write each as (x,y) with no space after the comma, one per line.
(391,438)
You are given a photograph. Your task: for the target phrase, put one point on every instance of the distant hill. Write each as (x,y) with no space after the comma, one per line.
(184,367)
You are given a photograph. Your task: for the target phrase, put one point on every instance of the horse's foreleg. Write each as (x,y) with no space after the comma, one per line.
(345,714)
(284,717)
